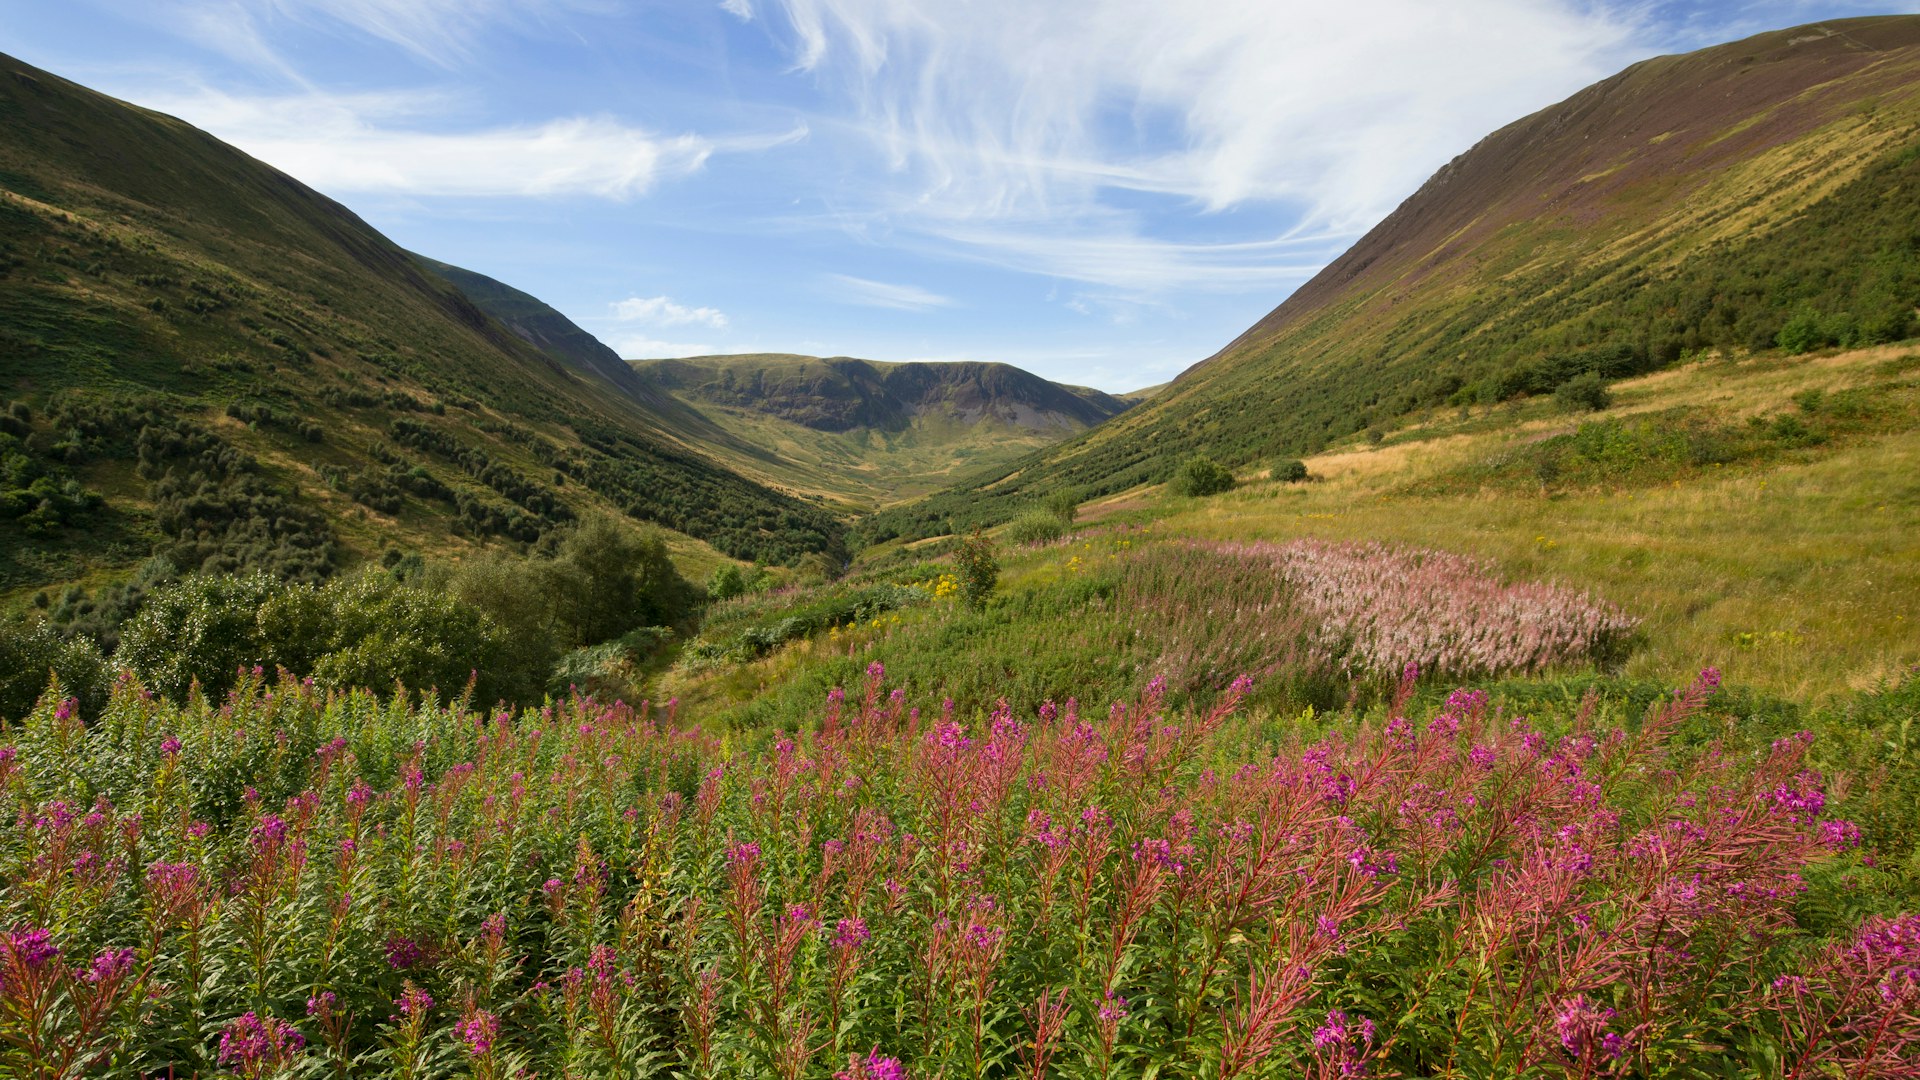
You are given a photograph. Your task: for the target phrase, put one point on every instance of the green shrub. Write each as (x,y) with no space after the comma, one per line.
(32,653)
(1064,505)
(1588,391)
(1202,476)
(1036,527)
(726,583)
(1803,333)
(365,631)
(204,628)
(1290,472)
(979,569)
(608,578)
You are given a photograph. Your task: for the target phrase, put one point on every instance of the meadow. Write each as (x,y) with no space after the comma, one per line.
(1274,782)
(294,882)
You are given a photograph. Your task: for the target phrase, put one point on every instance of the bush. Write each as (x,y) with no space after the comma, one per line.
(1202,476)
(1036,527)
(1588,391)
(203,629)
(366,631)
(32,653)
(979,569)
(1064,505)
(726,583)
(608,578)
(1290,472)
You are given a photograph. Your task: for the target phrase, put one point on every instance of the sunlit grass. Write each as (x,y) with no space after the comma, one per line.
(1801,579)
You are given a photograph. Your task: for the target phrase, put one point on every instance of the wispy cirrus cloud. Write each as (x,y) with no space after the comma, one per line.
(445,33)
(1072,139)
(665,311)
(882,294)
(390,143)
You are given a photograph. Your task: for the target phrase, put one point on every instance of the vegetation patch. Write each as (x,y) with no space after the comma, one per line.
(380,887)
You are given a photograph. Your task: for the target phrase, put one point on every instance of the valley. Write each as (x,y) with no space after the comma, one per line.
(1499,660)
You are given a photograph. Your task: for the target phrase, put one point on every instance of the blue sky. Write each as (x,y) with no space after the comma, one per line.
(1102,191)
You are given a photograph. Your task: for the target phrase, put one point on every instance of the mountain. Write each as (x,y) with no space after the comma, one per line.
(866,432)
(202,357)
(1748,197)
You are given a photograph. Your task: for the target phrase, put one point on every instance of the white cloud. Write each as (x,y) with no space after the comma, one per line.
(382,143)
(1058,136)
(444,32)
(663,311)
(883,294)
(739,9)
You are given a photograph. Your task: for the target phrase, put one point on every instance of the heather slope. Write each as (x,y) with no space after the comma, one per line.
(172,307)
(864,432)
(1750,196)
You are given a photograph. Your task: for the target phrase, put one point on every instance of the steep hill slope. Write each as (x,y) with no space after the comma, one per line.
(867,432)
(1752,196)
(207,359)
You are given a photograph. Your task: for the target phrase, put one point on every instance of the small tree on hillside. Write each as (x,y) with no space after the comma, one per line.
(1588,391)
(979,569)
(1064,505)
(1202,476)
(1290,472)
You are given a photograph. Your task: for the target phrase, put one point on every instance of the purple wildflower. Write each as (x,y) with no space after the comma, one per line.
(33,947)
(258,1046)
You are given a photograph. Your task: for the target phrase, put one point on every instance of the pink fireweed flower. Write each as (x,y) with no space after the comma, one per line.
(32,947)
(875,1066)
(414,1002)
(170,746)
(1369,863)
(1582,1027)
(110,966)
(1343,1043)
(1113,1008)
(478,1030)
(742,855)
(404,952)
(850,933)
(258,1046)
(1839,835)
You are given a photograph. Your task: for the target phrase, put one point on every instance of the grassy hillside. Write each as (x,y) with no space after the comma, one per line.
(1752,197)
(207,360)
(866,433)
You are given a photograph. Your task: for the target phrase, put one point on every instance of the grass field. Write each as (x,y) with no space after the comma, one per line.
(1800,576)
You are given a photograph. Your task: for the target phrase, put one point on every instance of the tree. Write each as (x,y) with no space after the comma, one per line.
(979,569)
(608,578)
(726,582)
(1202,476)
(1290,472)
(1587,391)
(1064,505)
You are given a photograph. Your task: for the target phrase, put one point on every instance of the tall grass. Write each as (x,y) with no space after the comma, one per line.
(290,882)
(1378,607)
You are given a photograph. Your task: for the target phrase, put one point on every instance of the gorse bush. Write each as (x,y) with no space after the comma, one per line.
(292,881)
